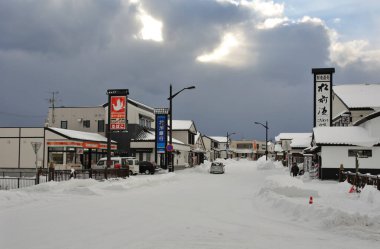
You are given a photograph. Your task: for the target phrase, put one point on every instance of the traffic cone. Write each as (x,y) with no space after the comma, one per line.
(311,200)
(352,189)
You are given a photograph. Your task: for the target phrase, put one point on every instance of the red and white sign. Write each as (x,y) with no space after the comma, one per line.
(118,114)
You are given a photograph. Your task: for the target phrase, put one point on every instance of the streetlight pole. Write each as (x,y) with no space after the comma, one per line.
(227,145)
(171,96)
(266,138)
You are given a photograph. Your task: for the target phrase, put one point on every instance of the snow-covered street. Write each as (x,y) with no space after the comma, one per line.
(252,205)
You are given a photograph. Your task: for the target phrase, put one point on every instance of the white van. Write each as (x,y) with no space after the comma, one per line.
(133,163)
(117,163)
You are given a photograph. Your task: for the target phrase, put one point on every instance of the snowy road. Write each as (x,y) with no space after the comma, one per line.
(244,208)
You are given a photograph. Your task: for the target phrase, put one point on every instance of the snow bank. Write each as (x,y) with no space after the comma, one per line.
(80,187)
(332,208)
(264,164)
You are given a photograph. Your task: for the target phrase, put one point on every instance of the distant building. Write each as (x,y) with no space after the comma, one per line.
(221,143)
(244,149)
(211,147)
(284,146)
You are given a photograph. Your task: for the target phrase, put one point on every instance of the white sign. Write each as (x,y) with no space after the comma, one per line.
(323,102)
(322,77)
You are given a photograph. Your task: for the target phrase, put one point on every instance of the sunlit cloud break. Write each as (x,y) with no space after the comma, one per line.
(151,27)
(219,54)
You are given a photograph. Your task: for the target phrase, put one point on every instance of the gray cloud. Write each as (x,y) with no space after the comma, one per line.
(83,48)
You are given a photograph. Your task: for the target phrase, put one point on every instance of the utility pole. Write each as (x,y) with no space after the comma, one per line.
(52,101)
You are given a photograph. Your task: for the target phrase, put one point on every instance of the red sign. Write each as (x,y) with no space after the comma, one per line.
(118,114)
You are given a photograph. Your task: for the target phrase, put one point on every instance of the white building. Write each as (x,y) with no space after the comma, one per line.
(211,147)
(189,148)
(340,145)
(353,102)
(221,146)
(65,148)
(146,142)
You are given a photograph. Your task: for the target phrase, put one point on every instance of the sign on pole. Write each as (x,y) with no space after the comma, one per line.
(118,113)
(161,132)
(36,146)
(323,96)
(117,116)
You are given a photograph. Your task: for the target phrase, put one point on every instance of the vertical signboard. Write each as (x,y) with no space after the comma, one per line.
(323,96)
(117,116)
(118,113)
(161,132)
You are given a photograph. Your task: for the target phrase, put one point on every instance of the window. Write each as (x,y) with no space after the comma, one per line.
(148,156)
(100,125)
(145,121)
(191,138)
(141,156)
(86,123)
(64,124)
(360,153)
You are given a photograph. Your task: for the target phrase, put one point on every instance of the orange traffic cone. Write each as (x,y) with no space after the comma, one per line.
(352,189)
(311,200)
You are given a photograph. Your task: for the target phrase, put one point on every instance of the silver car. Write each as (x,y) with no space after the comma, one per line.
(217,168)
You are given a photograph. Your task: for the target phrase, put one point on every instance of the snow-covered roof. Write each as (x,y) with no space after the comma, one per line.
(301,141)
(80,135)
(278,148)
(220,139)
(151,136)
(290,136)
(344,135)
(182,124)
(359,95)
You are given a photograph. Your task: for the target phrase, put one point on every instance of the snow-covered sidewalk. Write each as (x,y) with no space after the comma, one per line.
(252,205)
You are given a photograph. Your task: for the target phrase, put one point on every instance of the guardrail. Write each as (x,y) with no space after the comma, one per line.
(359,180)
(13,179)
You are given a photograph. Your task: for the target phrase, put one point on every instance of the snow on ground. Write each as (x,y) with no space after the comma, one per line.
(253,205)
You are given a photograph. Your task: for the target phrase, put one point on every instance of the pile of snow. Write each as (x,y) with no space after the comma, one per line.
(333,207)
(264,164)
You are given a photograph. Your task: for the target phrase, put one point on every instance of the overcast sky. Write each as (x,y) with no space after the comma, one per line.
(250,60)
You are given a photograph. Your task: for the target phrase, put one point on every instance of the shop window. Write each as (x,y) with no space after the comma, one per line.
(64,124)
(141,157)
(57,157)
(148,157)
(86,123)
(100,125)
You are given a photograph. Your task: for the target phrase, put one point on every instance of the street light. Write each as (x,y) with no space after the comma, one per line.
(227,145)
(171,96)
(266,137)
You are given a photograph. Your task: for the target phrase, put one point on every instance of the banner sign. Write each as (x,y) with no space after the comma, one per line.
(118,114)
(161,132)
(323,96)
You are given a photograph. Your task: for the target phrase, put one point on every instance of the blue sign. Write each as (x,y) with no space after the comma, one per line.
(161,132)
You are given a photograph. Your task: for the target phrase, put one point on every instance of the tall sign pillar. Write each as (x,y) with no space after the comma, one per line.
(161,140)
(117,115)
(323,96)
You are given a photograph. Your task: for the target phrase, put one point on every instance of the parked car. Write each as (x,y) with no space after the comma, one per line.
(117,163)
(147,167)
(134,167)
(217,168)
